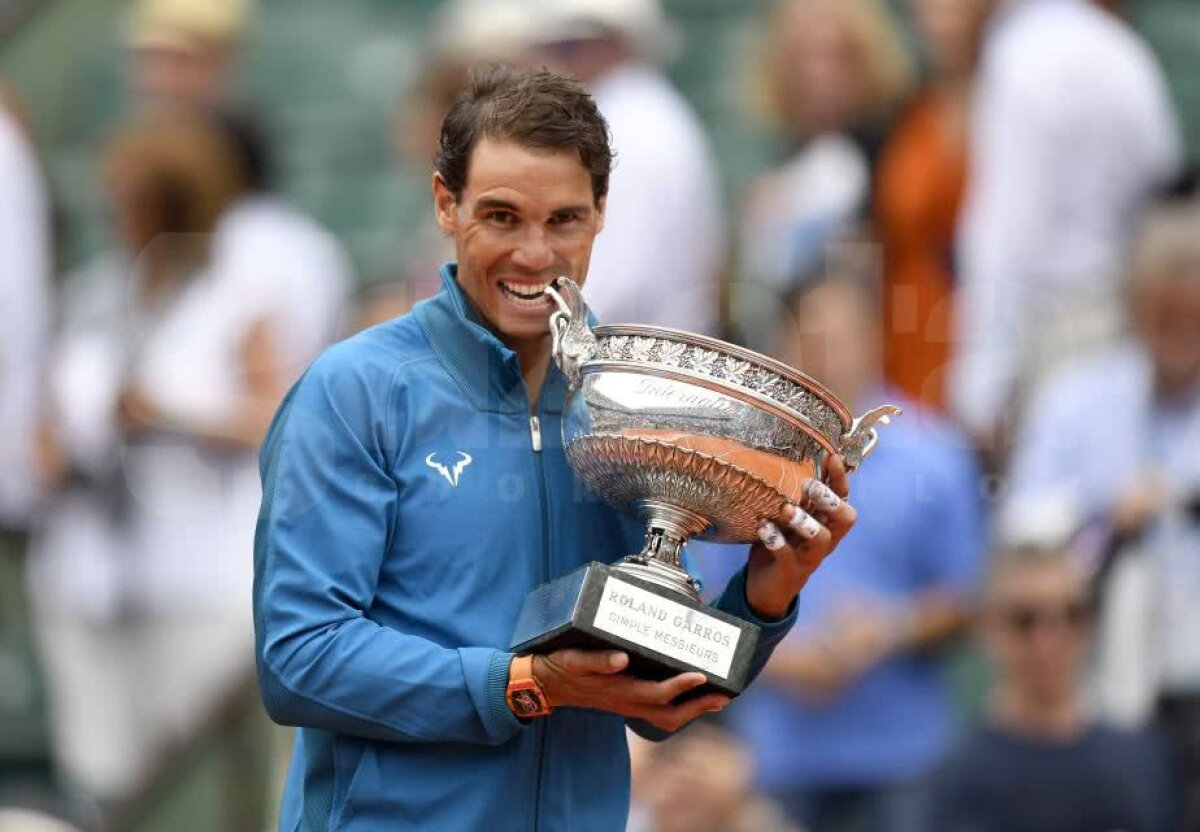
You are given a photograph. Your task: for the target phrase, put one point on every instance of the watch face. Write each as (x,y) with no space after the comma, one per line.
(524,702)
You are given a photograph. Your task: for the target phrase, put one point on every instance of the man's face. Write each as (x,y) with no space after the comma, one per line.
(1037,626)
(526,215)
(1167,316)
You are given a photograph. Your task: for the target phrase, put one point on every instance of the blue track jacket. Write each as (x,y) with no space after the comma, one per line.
(407,510)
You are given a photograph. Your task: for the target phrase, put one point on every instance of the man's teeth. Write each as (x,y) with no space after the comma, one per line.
(531,293)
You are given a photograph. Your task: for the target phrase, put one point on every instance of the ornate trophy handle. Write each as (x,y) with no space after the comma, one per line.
(572,341)
(859,441)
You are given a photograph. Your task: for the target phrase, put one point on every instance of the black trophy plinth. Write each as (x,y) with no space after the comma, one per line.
(663,632)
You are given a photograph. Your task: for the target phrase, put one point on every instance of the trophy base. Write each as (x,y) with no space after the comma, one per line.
(663,631)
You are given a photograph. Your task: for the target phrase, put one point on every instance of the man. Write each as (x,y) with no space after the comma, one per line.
(1040,763)
(1072,131)
(853,710)
(660,259)
(1116,439)
(415,489)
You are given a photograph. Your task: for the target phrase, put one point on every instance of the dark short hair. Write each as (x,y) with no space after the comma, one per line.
(532,107)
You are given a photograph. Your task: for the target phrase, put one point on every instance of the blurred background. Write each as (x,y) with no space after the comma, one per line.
(983,210)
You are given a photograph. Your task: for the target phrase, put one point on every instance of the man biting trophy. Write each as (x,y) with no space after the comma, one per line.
(422,504)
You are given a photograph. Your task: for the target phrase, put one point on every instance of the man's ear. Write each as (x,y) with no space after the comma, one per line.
(445,205)
(601,204)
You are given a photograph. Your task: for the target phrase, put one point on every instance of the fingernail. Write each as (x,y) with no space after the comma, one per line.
(803,523)
(821,497)
(716,709)
(771,537)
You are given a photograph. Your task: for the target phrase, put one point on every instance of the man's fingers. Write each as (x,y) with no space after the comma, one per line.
(804,532)
(827,508)
(673,717)
(590,662)
(670,689)
(655,694)
(836,476)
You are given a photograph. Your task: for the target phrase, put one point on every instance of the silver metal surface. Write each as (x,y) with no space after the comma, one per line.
(699,437)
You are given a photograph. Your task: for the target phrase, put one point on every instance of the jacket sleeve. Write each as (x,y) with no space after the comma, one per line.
(329,506)
(733,601)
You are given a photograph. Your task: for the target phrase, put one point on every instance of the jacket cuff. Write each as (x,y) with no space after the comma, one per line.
(486,671)
(733,601)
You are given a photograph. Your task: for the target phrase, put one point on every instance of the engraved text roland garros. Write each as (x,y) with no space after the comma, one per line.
(667,627)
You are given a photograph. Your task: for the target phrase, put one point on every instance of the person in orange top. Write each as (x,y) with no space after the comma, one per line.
(920,184)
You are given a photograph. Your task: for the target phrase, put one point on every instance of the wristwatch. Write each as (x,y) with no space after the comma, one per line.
(525,696)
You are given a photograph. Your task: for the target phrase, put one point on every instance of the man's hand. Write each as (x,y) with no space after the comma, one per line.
(595,679)
(793,545)
(1140,504)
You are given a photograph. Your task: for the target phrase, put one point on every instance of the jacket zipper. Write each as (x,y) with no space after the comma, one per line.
(535,436)
(535,433)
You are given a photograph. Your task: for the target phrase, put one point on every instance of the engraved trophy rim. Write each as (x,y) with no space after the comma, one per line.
(776,366)
(744,394)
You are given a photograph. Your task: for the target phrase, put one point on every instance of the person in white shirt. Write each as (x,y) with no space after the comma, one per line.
(1072,131)
(279,259)
(662,252)
(183,59)
(165,378)
(25,255)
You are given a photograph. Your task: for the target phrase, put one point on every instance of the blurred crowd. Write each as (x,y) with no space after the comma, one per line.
(981,211)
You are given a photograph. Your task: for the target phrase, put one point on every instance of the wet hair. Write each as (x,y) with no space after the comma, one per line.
(532,107)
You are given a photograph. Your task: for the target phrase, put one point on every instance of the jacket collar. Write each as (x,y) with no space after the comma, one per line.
(484,368)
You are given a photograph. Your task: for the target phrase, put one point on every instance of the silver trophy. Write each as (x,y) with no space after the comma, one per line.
(700,438)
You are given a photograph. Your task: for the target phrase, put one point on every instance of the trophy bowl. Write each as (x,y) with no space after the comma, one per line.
(698,437)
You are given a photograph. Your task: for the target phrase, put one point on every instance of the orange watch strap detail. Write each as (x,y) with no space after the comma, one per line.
(525,695)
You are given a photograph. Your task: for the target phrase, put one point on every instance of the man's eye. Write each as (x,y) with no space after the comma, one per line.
(566,217)
(502,217)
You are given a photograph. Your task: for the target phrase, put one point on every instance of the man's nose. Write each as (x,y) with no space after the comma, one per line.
(533,251)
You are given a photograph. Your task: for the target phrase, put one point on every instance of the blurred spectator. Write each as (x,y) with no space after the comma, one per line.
(922,176)
(1072,130)
(699,781)
(25,255)
(165,379)
(465,32)
(852,711)
(1040,762)
(1117,437)
(836,72)
(660,256)
(183,59)
(183,53)
(281,261)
